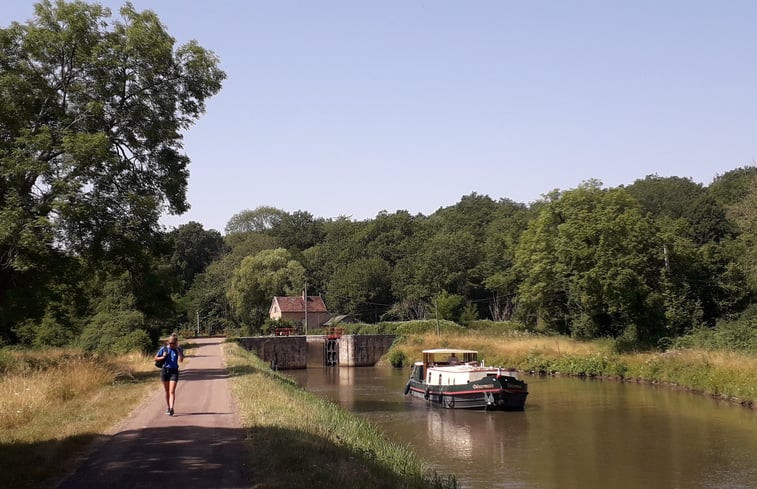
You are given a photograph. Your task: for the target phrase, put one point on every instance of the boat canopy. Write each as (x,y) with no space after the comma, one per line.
(441,356)
(448,351)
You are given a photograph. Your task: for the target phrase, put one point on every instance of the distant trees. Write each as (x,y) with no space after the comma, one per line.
(625,263)
(91,119)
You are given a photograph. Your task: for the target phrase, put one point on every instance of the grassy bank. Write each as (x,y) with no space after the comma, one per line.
(727,375)
(54,403)
(298,440)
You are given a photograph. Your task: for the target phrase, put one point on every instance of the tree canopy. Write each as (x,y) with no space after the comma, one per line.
(91,118)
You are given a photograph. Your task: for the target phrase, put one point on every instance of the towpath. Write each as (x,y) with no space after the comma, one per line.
(199,447)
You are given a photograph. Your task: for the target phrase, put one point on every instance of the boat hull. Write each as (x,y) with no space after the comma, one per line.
(497,395)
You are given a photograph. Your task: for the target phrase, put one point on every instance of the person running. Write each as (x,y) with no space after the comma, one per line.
(169,374)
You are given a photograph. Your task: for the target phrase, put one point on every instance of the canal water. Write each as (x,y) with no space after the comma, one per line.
(574,433)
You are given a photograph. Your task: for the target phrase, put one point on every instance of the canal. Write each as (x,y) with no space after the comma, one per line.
(573,433)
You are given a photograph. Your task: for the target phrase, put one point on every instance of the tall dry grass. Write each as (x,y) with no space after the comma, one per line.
(729,375)
(504,348)
(54,402)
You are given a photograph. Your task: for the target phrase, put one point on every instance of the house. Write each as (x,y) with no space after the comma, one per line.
(293,309)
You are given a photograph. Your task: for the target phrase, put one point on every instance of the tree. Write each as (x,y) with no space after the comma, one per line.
(91,115)
(733,186)
(362,288)
(473,213)
(590,264)
(444,261)
(298,230)
(258,279)
(194,249)
(681,198)
(498,268)
(744,214)
(259,220)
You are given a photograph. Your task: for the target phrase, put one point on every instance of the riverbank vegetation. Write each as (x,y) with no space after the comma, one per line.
(55,403)
(298,440)
(724,374)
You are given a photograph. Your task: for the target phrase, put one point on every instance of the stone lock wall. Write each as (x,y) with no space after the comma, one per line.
(290,352)
(281,352)
(363,350)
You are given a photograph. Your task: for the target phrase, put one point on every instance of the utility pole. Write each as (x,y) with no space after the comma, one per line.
(665,254)
(436,313)
(198,323)
(305,294)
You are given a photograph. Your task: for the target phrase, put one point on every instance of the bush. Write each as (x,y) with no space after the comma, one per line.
(48,331)
(137,340)
(397,358)
(739,335)
(497,327)
(107,332)
(420,327)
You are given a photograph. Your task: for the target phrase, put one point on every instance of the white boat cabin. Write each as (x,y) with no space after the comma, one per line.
(445,366)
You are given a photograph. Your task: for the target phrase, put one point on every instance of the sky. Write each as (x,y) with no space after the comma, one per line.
(351,108)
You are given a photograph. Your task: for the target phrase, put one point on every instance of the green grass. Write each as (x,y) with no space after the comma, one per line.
(298,440)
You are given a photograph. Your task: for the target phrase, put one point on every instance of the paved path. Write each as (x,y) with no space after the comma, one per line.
(199,447)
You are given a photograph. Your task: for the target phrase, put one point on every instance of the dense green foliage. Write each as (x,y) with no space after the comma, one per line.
(87,169)
(91,115)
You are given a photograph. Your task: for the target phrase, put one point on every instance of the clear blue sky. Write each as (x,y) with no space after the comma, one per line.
(354,107)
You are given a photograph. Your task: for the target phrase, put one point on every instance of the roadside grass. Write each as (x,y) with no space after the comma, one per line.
(54,403)
(727,375)
(298,440)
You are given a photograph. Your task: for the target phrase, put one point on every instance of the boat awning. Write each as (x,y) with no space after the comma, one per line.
(447,351)
(441,356)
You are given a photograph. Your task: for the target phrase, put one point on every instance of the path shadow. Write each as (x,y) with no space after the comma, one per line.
(188,456)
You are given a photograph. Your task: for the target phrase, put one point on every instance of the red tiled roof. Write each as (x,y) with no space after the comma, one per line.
(297,304)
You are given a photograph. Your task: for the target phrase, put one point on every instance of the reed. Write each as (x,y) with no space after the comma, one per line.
(298,440)
(53,403)
(728,375)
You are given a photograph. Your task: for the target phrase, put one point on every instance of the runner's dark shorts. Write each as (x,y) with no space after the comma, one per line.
(169,374)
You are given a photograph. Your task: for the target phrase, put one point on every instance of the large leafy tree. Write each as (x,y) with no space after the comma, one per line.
(362,288)
(194,248)
(590,263)
(336,250)
(744,214)
(298,230)
(671,198)
(91,119)
(498,263)
(258,279)
(260,219)
(207,297)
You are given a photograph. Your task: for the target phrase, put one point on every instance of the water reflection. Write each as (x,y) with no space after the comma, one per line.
(573,433)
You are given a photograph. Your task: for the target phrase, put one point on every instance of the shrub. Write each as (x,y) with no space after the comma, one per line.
(397,358)
(420,326)
(740,335)
(104,331)
(137,340)
(497,327)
